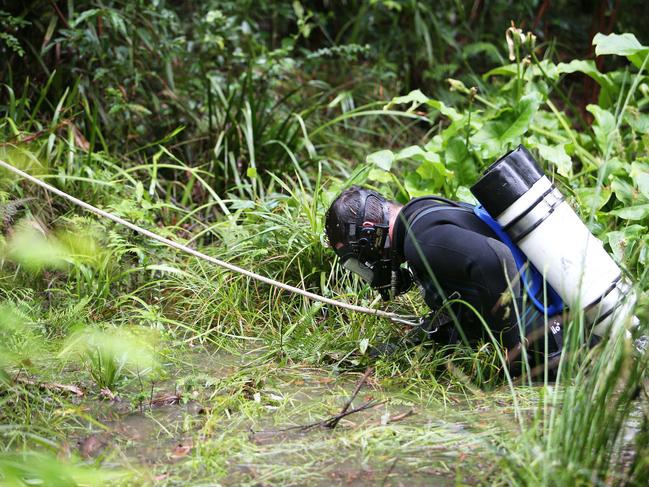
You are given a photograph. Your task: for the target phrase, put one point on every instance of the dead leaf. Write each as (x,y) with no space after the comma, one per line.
(169,94)
(91,446)
(325,380)
(181,450)
(53,386)
(108,394)
(32,137)
(165,400)
(80,141)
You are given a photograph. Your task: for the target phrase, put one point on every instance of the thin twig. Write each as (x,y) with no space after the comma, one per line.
(327,423)
(357,389)
(60,14)
(333,422)
(385,479)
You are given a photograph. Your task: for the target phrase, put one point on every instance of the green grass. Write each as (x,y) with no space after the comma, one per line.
(244,171)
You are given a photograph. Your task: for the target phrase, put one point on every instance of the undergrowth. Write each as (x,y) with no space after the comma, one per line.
(231,129)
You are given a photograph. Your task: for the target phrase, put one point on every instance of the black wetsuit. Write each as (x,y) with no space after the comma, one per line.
(454,255)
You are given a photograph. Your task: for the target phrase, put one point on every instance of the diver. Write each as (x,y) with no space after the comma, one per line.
(460,264)
(479,273)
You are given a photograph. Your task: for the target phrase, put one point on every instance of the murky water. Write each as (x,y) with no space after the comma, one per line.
(240,419)
(257,424)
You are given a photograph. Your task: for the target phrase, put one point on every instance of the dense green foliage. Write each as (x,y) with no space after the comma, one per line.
(230,126)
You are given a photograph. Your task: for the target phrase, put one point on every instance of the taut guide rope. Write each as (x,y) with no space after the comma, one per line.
(183,248)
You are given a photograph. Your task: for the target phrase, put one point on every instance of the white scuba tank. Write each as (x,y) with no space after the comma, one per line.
(536,216)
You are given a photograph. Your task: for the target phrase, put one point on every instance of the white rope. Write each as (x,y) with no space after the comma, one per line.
(200,255)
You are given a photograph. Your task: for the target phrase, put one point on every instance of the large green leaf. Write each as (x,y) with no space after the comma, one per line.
(622,241)
(415,98)
(459,160)
(623,190)
(545,68)
(621,45)
(637,121)
(525,110)
(558,156)
(414,152)
(382,159)
(507,127)
(418,186)
(506,70)
(640,176)
(431,176)
(449,112)
(604,127)
(586,67)
(607,87)
(639,212)
(379,176)
(591,199)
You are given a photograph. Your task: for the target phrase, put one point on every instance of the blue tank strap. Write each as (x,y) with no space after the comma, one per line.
(530,276)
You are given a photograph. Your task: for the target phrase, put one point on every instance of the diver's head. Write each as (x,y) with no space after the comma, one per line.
(358,228)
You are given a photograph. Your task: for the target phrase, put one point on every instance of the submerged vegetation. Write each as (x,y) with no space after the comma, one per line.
(229,126)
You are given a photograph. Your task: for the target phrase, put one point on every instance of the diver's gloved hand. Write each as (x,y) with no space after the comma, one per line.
(415,336)
(436,327)
(383,349)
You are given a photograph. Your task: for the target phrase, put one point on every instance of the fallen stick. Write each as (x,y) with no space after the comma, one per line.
(51,386)
(325,423)
(333,422)
(330,422)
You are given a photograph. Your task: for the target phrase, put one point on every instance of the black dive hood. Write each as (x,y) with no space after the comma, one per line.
(366,250)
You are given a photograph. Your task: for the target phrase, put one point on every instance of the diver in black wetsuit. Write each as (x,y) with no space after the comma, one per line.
(454,257)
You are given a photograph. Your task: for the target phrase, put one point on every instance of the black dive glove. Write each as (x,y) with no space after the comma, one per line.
(434,327)
(437,327)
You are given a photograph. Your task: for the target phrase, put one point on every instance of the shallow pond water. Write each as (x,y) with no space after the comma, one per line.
(236,419)
(224,418)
